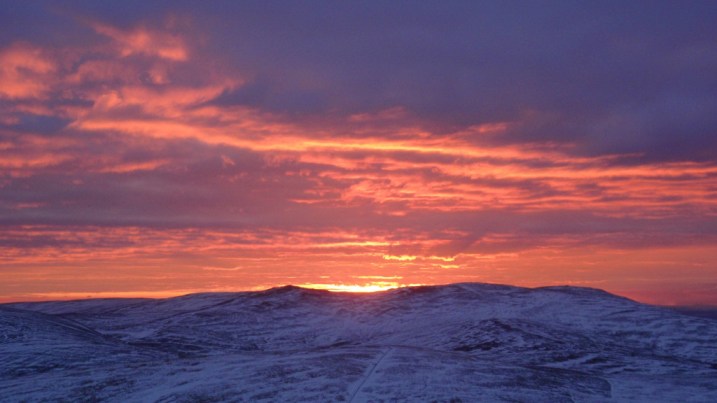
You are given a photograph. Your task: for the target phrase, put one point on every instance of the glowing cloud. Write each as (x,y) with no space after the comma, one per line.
(24,71)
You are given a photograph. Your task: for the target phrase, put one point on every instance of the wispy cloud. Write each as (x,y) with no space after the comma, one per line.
(144,41)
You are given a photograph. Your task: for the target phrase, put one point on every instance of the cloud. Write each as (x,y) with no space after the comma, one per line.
(318,143)
(143,41)
(606,80)
(24,72)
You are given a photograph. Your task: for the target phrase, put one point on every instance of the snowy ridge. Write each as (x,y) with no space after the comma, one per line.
(459,342)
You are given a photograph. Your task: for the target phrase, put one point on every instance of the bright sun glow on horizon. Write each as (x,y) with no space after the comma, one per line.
(366,288)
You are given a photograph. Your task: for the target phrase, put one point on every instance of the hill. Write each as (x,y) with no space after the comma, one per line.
(458,342)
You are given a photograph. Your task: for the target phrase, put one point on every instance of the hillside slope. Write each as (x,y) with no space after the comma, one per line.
(459,342)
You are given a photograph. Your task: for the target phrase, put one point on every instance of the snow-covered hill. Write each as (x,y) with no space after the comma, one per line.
(462,342)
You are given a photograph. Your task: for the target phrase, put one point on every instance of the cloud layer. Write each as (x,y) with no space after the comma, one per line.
(236,146)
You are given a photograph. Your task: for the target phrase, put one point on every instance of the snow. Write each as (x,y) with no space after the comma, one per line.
(461,342)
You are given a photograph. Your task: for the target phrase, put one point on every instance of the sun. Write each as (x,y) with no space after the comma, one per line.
(368,287)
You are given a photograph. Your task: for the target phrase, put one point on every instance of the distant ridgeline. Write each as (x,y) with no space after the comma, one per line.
(457,342)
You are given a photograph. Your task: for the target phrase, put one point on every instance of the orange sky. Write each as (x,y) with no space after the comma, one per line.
(136,159)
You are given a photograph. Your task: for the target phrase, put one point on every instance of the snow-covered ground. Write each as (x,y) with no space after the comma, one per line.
(462,342)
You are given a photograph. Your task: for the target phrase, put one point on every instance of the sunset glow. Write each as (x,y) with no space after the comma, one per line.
(368,287)
(175,148)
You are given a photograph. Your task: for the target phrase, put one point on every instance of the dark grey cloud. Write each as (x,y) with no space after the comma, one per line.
(611,77)
(37,124)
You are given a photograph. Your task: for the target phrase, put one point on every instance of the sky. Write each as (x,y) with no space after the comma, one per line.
(151,149)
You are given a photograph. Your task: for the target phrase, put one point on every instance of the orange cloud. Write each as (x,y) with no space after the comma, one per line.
(25,72)
(462,177)
(66,262)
